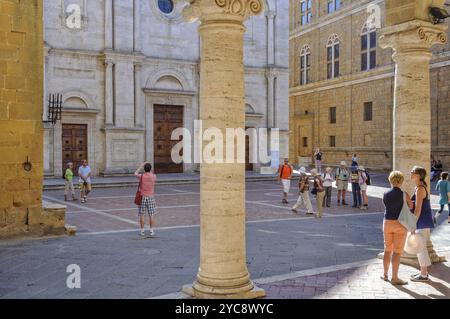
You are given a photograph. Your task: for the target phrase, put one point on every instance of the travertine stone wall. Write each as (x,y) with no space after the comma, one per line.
(21,132)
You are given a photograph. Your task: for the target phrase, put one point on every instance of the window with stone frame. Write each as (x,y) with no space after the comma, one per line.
(332,141)
(305,142)
(305,12)
(334,5)
(368,111)
(368,48)
(305,65)
(333,55)
(333,117)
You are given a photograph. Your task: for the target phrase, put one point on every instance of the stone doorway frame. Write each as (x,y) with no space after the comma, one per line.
(166,97)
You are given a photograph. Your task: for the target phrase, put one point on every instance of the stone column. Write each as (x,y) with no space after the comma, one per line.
(411,42)
(137,25)
(139,111)
(109,43)
(223,270)
(109,94)
(270,75)
(271,37)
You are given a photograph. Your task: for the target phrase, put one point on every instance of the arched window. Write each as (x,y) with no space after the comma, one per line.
(368,48)
(305,65)
(305,11)
(333,56)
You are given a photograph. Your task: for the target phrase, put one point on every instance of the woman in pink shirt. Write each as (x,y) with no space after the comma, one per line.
(148,205)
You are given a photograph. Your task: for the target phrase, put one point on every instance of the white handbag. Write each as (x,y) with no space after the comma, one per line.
(406,218)
(415,243)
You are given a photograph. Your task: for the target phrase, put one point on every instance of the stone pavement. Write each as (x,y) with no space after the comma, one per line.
(116,263)
(360,282)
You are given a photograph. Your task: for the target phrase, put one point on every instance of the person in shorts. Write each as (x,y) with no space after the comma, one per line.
(342,175)
(394,232)
(147,182)
(84,181)
(284,175)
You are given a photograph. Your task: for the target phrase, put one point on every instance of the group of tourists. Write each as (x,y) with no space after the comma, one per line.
(84,181)
(395,226)
(323,186)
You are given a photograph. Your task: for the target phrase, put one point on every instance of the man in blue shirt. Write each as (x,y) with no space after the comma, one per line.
(84,174)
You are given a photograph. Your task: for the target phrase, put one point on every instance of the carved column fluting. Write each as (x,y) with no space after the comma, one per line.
(223,270)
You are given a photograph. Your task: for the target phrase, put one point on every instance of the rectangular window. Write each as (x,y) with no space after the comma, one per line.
(332,115)
(369,51)
(305,142)
(305,12)
(333,5)
(368,108)
(332,141)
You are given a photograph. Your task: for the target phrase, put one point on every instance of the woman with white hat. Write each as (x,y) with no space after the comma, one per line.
(320,192)
(303,191)
(363,185)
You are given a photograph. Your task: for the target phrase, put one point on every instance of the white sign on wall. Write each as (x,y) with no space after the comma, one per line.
(73,14)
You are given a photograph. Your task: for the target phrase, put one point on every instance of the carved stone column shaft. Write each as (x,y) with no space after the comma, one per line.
(223,269)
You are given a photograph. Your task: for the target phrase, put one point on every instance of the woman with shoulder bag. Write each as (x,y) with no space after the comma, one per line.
(145,197)
(394,232)
(422,209)
(303,190)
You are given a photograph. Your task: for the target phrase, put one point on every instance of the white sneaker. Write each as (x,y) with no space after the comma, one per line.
(142,233)
(152,232)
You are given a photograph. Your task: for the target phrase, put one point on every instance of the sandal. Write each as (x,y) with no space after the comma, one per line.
(399,282)
(385,278)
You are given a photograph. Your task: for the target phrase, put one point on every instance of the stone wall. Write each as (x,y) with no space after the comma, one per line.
(154,57)
(21,131)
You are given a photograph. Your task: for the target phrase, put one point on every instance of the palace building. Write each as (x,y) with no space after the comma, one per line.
(128,72)
(342,85)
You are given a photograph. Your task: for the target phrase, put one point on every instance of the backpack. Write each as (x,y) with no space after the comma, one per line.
(368,182)
(64,175)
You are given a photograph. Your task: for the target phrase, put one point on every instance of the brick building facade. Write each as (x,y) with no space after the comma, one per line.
(342,85)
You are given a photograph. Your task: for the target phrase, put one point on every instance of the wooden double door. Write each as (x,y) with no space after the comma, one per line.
(167,118)
(74,145)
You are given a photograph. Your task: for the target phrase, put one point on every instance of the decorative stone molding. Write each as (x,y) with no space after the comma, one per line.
(207,10)
(413,35)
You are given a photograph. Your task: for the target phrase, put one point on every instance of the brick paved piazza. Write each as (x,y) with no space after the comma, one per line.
(291,256)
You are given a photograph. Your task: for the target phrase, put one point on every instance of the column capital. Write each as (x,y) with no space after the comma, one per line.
(413,36)
(210,11)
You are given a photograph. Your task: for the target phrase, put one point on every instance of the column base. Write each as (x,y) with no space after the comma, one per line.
(203,292)
(411,260)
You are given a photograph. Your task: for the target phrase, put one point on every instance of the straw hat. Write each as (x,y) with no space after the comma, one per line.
(343,163)
(361,168)
(314,172)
